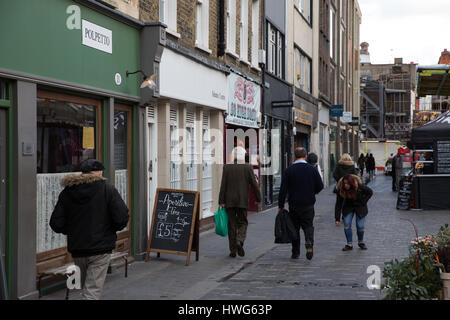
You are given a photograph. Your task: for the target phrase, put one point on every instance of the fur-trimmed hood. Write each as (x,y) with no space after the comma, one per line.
(76,179)
(81,188)
(346,160)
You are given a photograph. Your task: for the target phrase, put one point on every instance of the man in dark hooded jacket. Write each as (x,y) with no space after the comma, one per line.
(90,211)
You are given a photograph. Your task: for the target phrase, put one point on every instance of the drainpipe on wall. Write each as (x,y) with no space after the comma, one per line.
(221,44)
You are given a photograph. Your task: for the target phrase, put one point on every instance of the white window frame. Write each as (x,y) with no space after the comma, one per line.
(231,27)
(332,33)
(202,25)
(280,56)
(303,67)
(275,54)
(271,50)
(255,32)
(304,6)
(169,12)
(243,26)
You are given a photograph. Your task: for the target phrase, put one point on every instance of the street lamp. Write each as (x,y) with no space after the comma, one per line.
(147,81)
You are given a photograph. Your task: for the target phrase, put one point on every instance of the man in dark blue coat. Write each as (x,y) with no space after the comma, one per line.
(301,182)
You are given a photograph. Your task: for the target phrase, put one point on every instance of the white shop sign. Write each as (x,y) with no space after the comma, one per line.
(347,117)
(184,79)
(96,37)
(244,101)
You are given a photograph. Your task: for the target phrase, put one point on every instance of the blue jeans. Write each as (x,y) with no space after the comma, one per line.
(359,227)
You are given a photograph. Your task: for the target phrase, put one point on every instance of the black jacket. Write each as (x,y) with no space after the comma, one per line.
(89,211)
(301,182)
(284,228)
(358,205)
(343,170)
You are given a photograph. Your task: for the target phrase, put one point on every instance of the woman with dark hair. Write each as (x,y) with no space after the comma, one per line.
(353,196)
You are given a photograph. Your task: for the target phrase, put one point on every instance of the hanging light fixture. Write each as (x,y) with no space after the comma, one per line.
(147,81)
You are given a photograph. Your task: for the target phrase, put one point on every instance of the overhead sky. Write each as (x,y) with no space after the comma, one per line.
(415,30)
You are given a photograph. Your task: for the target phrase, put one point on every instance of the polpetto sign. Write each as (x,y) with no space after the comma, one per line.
(96,37)
(93,35)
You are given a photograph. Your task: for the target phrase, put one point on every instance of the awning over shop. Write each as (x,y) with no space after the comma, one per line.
(438,129)
(433,80)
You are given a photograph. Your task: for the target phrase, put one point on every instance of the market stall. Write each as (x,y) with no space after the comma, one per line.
(430,148)
(428,182)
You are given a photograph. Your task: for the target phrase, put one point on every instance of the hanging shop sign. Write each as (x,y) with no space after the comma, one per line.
(337,110)
(244,102)
(303,117)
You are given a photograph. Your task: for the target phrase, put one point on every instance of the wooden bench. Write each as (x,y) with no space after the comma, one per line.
(65,271)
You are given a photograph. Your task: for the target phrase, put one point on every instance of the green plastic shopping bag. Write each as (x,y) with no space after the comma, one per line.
(221,218)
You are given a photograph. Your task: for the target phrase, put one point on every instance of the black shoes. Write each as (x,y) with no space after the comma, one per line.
(309,253)
(347,248)
(233,254)
(240,249)
(295,256)
(362,245)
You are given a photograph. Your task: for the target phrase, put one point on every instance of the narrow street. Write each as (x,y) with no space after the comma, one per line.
(267,272)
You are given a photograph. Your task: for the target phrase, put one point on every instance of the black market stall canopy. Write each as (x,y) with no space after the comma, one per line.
(433,80)
(438,129)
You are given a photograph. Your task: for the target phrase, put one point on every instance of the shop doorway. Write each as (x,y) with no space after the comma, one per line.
(3,182)
(122,164)
(302,141)
(152,170)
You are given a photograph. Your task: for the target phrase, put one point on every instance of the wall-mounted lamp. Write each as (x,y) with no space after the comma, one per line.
(148,81)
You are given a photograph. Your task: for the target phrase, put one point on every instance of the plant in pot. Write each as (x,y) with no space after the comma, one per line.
(442,256)
(415,277)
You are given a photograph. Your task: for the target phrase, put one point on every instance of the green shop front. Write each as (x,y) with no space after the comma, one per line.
(64,97)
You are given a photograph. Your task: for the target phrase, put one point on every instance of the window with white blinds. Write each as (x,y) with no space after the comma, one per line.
(175,178)
(206,167)
(231,26)
(244,31)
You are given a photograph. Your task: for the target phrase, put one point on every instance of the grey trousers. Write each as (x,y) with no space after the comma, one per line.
(93,273)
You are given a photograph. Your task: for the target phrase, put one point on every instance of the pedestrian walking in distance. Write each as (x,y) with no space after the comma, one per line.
(90,211)
(312,159)
(361,164)
(300,184)
(345,166)
(234,195)
(353,196)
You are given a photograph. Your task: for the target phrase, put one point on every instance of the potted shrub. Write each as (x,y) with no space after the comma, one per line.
(415,277)
(443,259)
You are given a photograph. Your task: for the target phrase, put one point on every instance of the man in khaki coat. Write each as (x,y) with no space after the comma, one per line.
(234,195)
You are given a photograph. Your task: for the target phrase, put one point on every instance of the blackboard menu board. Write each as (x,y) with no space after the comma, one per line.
(404,193)
(442,157)
(174,226)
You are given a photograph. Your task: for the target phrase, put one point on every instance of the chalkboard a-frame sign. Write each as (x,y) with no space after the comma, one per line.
(175,223)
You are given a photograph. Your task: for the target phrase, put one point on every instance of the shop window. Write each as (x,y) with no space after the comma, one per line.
(67,134)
